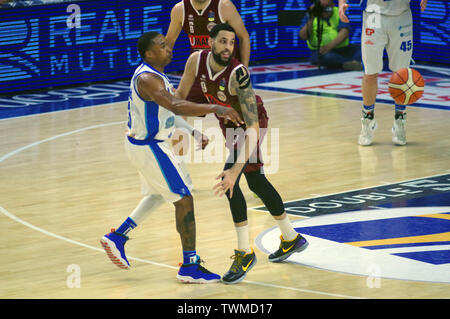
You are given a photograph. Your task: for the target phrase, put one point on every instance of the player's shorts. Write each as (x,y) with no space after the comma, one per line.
(395,33)
(255,162)
(160,171)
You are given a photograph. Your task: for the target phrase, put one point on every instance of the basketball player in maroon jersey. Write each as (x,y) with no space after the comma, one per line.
(225,80)
(196,18)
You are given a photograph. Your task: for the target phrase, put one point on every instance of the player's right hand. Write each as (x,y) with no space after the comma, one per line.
(228,113)
(342,8)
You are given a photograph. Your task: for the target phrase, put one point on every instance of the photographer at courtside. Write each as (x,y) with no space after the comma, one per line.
(328,38)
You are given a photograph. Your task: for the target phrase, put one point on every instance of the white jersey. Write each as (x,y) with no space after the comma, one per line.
(147,120)
(386,7)
(148,144)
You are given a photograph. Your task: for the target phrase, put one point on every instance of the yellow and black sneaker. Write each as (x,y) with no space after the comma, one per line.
(241,265)
(287,248)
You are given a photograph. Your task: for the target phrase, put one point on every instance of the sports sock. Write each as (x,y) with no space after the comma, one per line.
(126,226)
(243,239)
(286,229)
(368,111)
(147,205)
(400,110)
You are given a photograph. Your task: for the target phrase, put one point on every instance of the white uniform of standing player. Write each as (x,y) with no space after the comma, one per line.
(387,24)
(148,144)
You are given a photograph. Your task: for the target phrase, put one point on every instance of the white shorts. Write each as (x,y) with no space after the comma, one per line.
(395,33)
(160,171)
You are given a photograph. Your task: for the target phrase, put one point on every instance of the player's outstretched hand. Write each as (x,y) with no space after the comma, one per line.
(202,140)
(228,113)
(227,180)
(342,8)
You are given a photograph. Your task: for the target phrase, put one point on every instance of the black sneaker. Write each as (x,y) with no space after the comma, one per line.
(287,248)
(241,265)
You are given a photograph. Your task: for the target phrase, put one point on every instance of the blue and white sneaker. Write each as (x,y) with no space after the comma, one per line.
(113,243)
(196,274)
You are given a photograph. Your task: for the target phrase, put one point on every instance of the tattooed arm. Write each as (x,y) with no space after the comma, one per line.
(151,88)
(242,87)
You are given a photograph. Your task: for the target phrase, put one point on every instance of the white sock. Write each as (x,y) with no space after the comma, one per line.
(243,239)
(286,229)
(147,205)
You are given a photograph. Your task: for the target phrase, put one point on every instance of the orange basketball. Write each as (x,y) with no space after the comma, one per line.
(406,86)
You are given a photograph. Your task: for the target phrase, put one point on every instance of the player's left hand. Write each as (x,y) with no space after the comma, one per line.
(202,140)
(227,183)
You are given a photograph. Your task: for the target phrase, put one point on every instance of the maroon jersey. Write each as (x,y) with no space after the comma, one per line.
(216,88)
(198,24)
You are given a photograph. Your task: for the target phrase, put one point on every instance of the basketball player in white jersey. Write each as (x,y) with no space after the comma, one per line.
(387,24)
(152,117)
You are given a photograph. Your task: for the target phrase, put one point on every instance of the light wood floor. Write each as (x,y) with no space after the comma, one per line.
(61,194)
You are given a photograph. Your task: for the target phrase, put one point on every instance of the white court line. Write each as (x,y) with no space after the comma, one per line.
(45,232)
(21,221)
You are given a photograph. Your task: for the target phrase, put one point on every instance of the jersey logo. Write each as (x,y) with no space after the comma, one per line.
(170,122)
(211,25)
(221,96)
(211,16)
(199,41)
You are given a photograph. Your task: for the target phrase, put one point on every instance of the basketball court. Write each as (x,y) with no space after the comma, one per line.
(377,217)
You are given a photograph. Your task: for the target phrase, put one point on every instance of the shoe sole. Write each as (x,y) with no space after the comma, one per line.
(397,141)
(243,276)
(190,280)
(286,256)
(113,253)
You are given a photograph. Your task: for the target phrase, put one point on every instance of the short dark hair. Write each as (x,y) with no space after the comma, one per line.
(220,27)
(145,42)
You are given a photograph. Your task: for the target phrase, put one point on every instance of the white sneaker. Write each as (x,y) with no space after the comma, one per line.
(399,131)
(368,126)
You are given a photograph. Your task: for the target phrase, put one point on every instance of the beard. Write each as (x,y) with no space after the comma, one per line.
(219,60)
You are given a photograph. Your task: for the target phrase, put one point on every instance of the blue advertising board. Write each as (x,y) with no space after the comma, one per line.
(64,44)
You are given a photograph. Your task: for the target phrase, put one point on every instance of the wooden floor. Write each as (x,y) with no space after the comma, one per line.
(65,181)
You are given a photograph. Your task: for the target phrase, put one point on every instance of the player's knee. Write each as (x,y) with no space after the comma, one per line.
(368,78)
(259,185)
(153,200)
(184,214)
(185,204)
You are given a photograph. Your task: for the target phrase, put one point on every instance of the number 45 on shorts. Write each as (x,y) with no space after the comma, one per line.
(406,46)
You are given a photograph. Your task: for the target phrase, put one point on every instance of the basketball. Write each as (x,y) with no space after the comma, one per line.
(406,86)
